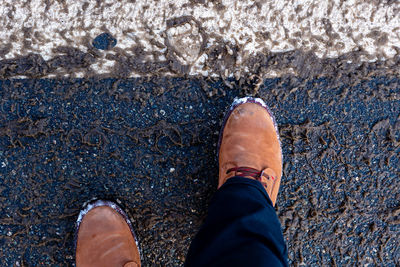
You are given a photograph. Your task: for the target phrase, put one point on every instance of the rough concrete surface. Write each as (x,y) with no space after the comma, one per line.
(151,145)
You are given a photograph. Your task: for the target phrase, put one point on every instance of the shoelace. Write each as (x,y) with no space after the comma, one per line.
(247,171)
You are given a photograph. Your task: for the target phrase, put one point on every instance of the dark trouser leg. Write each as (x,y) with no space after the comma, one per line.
(241,229)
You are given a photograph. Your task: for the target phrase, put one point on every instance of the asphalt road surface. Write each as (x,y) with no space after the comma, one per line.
(150,144)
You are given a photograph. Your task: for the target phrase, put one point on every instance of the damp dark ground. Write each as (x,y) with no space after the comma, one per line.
(150,144)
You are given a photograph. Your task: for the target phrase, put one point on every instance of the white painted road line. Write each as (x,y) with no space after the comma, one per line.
(329,28)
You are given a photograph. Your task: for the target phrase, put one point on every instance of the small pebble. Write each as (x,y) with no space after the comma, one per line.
(104,41)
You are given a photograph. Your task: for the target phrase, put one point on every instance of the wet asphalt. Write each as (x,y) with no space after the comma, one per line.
(150,145)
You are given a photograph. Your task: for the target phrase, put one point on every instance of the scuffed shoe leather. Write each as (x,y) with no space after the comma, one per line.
(105,239)
(249,140)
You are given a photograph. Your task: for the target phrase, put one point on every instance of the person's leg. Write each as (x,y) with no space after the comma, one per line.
(242,227)
(105,237)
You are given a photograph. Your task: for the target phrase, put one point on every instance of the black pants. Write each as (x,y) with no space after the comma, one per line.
(241,229)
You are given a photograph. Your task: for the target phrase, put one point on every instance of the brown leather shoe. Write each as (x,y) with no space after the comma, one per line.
(249,145)
(105,237)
